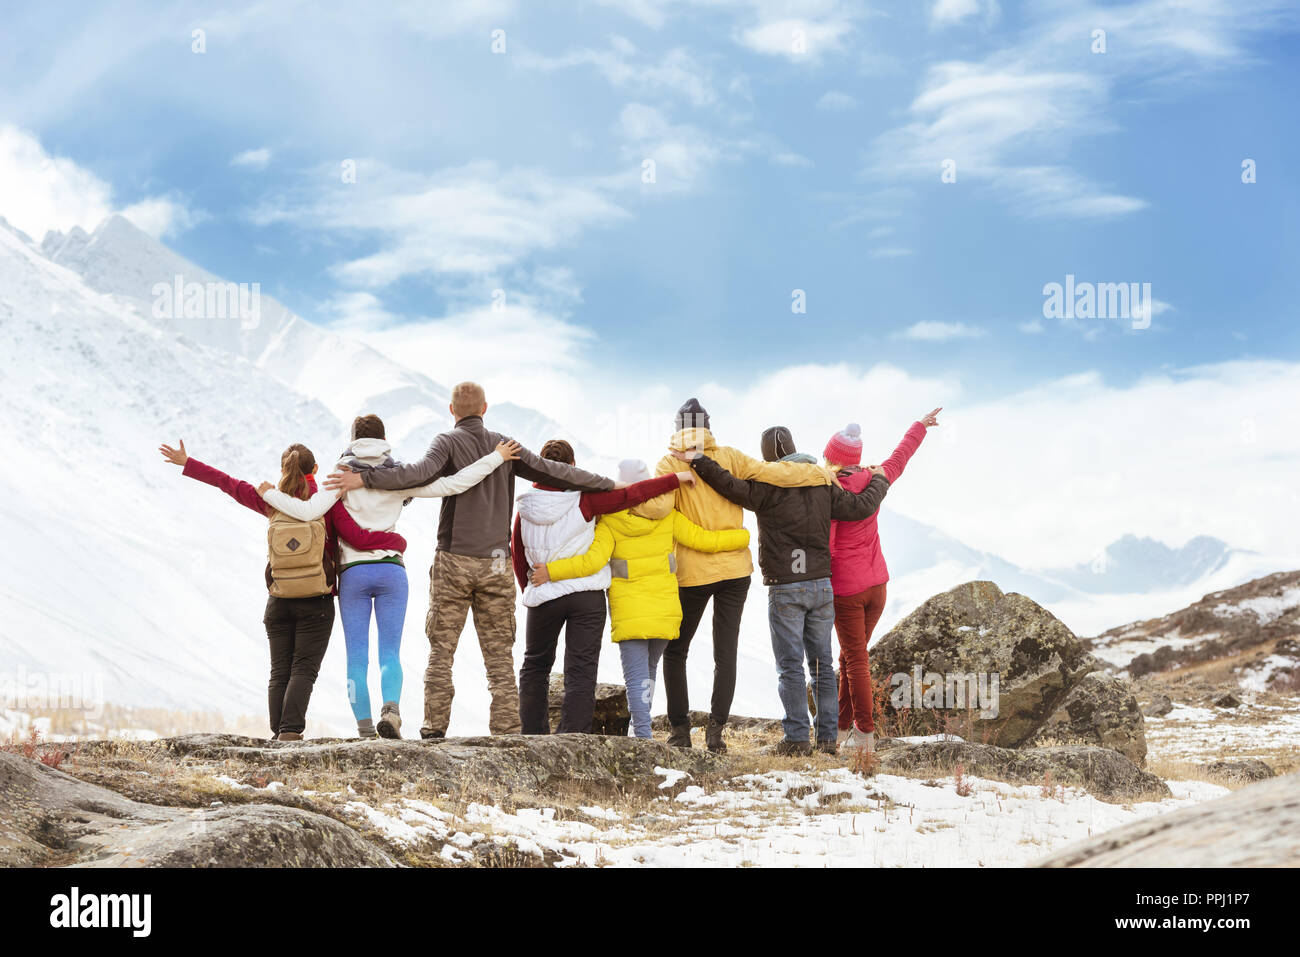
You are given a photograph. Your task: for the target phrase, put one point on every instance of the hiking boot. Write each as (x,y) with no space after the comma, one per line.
(366,729)
(289,736)
(680,736)
(713,736)
(390,722)
(432,735)
(857,740)
(844,733)
(826,747)
(794,749)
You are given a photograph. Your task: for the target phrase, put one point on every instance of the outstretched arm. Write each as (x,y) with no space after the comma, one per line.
(470,475)
(702,539)
(847,507)
(241,492)
(406,476)
(912,440)
(747,494)
(785,474)
(534,468)
(615,500)
(304,511)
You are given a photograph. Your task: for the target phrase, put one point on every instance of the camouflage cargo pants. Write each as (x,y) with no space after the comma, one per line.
(458,583)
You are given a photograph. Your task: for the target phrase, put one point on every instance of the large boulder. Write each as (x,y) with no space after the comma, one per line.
(1258,826)
(1102,710)
(611,715)
(975,629)
(1103,773)
(49,817)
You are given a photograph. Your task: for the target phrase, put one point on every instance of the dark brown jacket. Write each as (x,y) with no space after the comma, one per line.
(477,522)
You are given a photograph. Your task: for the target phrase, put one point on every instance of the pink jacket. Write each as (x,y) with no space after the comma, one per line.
(856,560)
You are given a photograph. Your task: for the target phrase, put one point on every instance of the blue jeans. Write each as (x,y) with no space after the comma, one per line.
(802,616)
(640,663)
(383,586)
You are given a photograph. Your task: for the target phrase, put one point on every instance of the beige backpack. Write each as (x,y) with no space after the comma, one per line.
(296,557)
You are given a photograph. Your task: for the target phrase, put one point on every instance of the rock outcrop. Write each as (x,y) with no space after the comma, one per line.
(1103,773)
(1242,771)
(611,715)
(1102,710)
(1258,826)
(48,817)
(976,629)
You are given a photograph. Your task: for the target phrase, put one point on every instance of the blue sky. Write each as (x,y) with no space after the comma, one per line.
(775,170)
(798,144)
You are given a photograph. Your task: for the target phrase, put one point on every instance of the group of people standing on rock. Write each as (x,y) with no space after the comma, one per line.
(660,547)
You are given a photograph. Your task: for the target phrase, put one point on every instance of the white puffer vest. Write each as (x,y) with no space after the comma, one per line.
(552,527)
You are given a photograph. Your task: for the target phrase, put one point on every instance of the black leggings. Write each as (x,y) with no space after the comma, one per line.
(582,616)
(728,604)
(298,632)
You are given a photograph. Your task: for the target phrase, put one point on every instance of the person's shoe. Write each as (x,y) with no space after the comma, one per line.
(390,722)
(366,729)
(844,733)
(680,736)
(289,736)
(858,741)
(826,747)
(428,735)
(713,736)
(794,749)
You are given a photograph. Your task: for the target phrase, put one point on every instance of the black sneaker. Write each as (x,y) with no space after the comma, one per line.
(794,748)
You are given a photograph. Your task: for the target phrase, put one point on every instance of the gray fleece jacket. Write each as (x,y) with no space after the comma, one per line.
(477,522)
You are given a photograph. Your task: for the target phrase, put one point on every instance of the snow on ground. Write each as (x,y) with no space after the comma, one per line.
(807,818)
(1195,734)
(1258,675)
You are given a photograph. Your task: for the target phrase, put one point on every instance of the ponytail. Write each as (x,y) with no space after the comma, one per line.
(296,464)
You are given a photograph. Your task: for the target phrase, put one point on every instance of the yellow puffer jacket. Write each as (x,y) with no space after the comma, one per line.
(643,599)
(706,508)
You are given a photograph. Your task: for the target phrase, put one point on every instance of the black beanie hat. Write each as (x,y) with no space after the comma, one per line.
(692,415)
(777,443)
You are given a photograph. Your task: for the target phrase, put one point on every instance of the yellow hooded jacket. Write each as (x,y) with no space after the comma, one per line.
(706,508)
(643,600)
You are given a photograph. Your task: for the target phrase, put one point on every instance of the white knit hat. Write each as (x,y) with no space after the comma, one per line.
(632,470)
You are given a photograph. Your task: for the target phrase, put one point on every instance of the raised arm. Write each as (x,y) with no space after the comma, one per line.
(304,511)
(701,539)
(747,494)
(588,563)
(363,539)
(240,491)
(534,468)
(912,440)
(467,477)
(848,507)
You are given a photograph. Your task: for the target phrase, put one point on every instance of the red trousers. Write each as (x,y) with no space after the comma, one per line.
(855,619)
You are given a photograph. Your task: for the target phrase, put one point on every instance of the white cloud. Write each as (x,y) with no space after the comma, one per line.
(889,252)
(929,330)
(252,159)
(43,192)
(796,38)
(1031,327)
(949,12)
(682,153)
(465,221)
(833,101)
(677,72)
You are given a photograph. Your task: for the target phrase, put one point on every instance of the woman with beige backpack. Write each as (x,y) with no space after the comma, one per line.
(299,577)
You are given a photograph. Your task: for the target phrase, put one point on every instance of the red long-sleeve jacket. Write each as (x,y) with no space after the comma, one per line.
(338,522)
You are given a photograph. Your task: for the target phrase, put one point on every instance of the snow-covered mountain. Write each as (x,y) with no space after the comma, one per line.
(147,588)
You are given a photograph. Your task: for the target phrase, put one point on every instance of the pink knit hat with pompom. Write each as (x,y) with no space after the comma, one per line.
(845,446)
